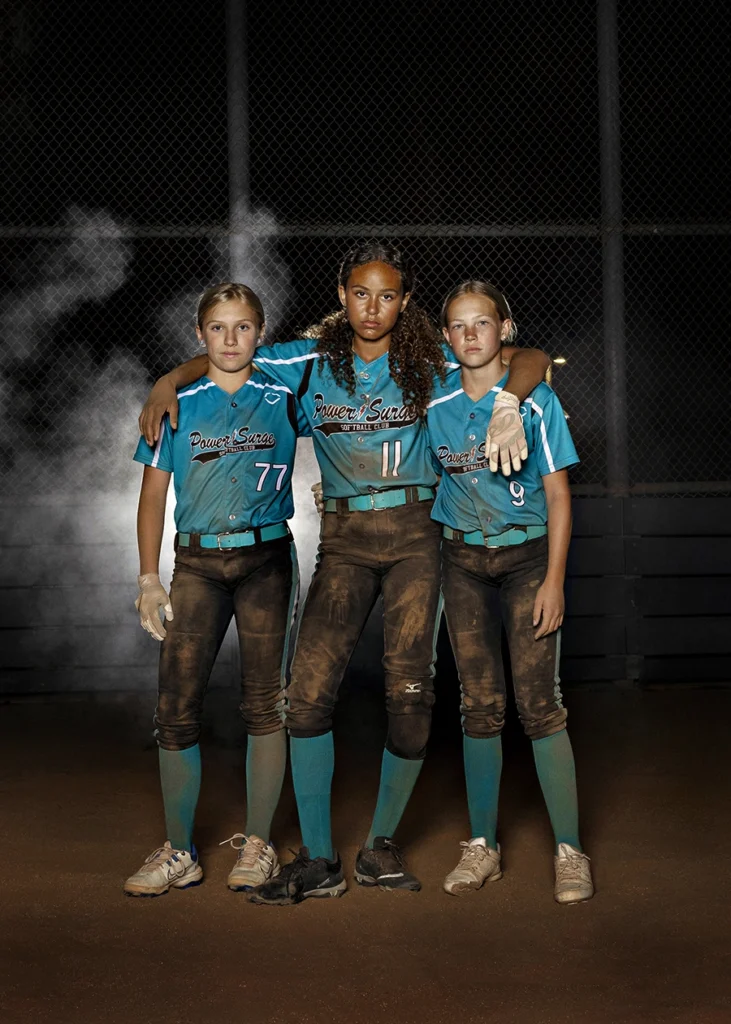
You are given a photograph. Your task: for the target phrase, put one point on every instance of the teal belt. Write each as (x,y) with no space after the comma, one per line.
(242,539)
(517,535)
(380,499)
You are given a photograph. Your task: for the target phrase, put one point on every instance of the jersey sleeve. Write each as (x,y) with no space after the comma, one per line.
(552,441)
(449,357)
(161,456)
(286,362)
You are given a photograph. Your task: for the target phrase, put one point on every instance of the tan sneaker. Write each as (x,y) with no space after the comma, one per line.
(478,864)
(256,863)
(573,875)
(165,869)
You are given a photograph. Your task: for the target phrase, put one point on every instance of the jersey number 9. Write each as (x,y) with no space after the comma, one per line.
(518,492)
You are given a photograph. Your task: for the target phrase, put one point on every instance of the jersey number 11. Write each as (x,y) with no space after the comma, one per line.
(386,458)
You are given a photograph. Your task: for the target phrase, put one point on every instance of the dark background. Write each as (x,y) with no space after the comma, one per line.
(468,132)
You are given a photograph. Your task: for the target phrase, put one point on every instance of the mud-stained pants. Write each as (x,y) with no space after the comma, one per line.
(394,552)
(258,585)
(483,587)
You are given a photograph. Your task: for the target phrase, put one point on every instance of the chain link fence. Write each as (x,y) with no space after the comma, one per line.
(153,149)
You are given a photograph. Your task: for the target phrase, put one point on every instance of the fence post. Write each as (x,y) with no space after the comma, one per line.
(238,137)
(615,368)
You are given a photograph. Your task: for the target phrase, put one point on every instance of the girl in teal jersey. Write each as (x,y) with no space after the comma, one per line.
(363,381)
(231,461)
(504,560)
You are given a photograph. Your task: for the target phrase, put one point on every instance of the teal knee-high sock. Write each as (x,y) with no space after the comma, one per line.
(557,775)
(398,778)
(180,776)
(313,760)
(266,758)
(483,765)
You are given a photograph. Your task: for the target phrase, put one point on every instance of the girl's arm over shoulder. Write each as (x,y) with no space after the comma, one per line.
(548,610)
(163,397)
(505,445)
(526,369)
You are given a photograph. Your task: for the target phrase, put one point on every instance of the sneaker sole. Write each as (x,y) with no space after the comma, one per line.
(573,899)
(288,901)
(371,883)
(461,888)
(247,887)
(182,883)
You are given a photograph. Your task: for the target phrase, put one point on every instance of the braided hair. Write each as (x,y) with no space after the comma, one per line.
(415,354)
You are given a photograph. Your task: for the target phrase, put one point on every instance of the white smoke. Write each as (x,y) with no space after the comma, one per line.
(70,443)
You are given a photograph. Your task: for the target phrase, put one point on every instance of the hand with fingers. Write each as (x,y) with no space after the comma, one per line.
(505,445)
(548,609)
(318,495)
(151,598)
(162,399)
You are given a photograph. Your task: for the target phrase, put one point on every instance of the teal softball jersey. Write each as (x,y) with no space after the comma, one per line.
(231,457)
(369,441)
(470,496)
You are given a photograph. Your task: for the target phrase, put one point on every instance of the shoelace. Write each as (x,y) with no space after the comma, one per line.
(230,841)
(163,855)
(249,853)
(469,852)
(294,871)
(156,854)
(571,865)
(394,850)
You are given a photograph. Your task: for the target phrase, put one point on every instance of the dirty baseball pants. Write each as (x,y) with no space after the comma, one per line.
(484,588)
(394,553)
(258,586)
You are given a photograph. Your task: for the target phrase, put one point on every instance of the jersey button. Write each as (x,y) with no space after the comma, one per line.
(233,405)
(233,479)
(474,479)
(232,517)
(472,437)
(360,440)
(472,415)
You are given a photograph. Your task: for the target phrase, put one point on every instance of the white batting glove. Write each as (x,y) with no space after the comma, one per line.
(318,495)
(152,597)
(505,444)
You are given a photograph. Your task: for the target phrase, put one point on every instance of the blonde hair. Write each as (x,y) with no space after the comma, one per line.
(225,292)
(490,292)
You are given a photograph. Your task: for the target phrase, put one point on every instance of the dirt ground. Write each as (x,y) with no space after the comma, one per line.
(80,809)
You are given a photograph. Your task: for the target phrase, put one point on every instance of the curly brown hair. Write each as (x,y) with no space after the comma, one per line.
(415,354)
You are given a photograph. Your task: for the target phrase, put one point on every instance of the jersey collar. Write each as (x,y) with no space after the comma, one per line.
(489,396)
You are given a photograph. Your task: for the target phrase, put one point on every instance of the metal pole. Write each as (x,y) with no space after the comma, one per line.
(238,138)
(615,368)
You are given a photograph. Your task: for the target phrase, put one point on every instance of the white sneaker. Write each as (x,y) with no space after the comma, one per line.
(256,863)
(478,864)
(165,869)
(573,875)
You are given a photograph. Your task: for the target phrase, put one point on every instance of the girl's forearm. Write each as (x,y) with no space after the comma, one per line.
(186,373)
(150,526)
(526,369)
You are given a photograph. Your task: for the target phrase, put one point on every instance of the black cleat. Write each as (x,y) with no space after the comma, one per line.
(302,877)
(384,866)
